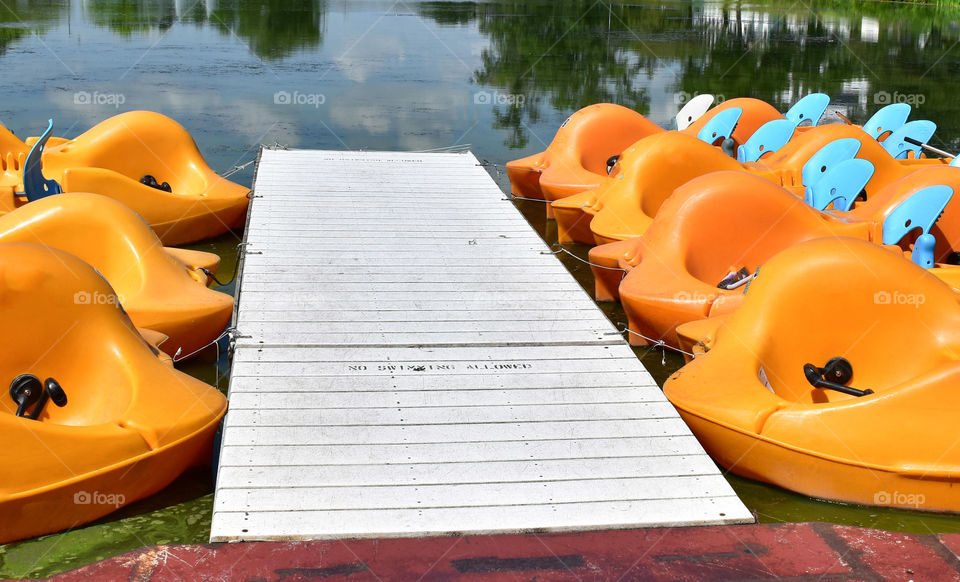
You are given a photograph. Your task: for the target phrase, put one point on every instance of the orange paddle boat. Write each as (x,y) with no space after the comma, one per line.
(157,288)
(652,168)
(143,159)
(577,158)
(585,149)
(93,419)
(835,379)
(699,255)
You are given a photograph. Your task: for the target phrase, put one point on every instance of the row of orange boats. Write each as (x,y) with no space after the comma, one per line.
(812,281)
(94,308)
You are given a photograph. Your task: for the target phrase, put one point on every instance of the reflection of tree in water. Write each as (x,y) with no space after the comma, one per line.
(850,52)
(564,53)
(127,18)
(272,28)
(20,18)
(559,51)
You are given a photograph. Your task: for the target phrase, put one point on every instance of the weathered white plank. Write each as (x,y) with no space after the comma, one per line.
(284,302)
(419,287)
(514,315)
(466,198)
(380,522)
(413,325)
(426,244)
(452,415)
(350,280)
(420,338)
(386,380)
(451,472)
(503,357)
(479,434)
(407,237)
(302,370)
(294,220)
(498,494)
(412,360)
(462,252)
(363,454)
(361,231)
(323,400)
(413,262)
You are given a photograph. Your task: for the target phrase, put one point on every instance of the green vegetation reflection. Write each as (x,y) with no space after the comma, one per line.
(273,29)
(571,54)
(21,18)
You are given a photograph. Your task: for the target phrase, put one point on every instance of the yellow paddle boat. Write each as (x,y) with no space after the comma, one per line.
(145,160)
(835,379)
(156,287)
(93,419)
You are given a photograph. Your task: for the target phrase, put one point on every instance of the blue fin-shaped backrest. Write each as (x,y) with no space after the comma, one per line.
(35,186)
(809,107)
(769,137)
(921,210)
(693,110)
(720,126)
(919,130)
(889,118)
(956,161)
(840,185)
(828,156)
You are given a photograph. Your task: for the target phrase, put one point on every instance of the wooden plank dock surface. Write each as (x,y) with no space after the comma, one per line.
(411,362)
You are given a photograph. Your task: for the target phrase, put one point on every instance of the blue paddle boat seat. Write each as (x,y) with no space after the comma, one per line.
(809,108)
(921,210)
(769,137)
(721,126)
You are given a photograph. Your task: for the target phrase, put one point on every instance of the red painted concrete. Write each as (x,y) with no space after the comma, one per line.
(804,551)
(901,556)
(952,542)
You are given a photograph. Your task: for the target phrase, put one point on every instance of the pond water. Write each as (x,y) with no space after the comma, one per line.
(500,76)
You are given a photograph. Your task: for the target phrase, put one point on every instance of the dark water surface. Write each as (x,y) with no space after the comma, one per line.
(500,76)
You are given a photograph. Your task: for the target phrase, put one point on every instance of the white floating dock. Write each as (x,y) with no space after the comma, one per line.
(411,363)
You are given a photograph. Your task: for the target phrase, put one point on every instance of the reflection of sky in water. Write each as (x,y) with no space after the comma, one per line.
(391,77)
(386,75)
(378,81)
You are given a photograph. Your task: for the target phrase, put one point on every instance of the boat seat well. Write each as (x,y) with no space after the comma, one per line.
(899,309)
